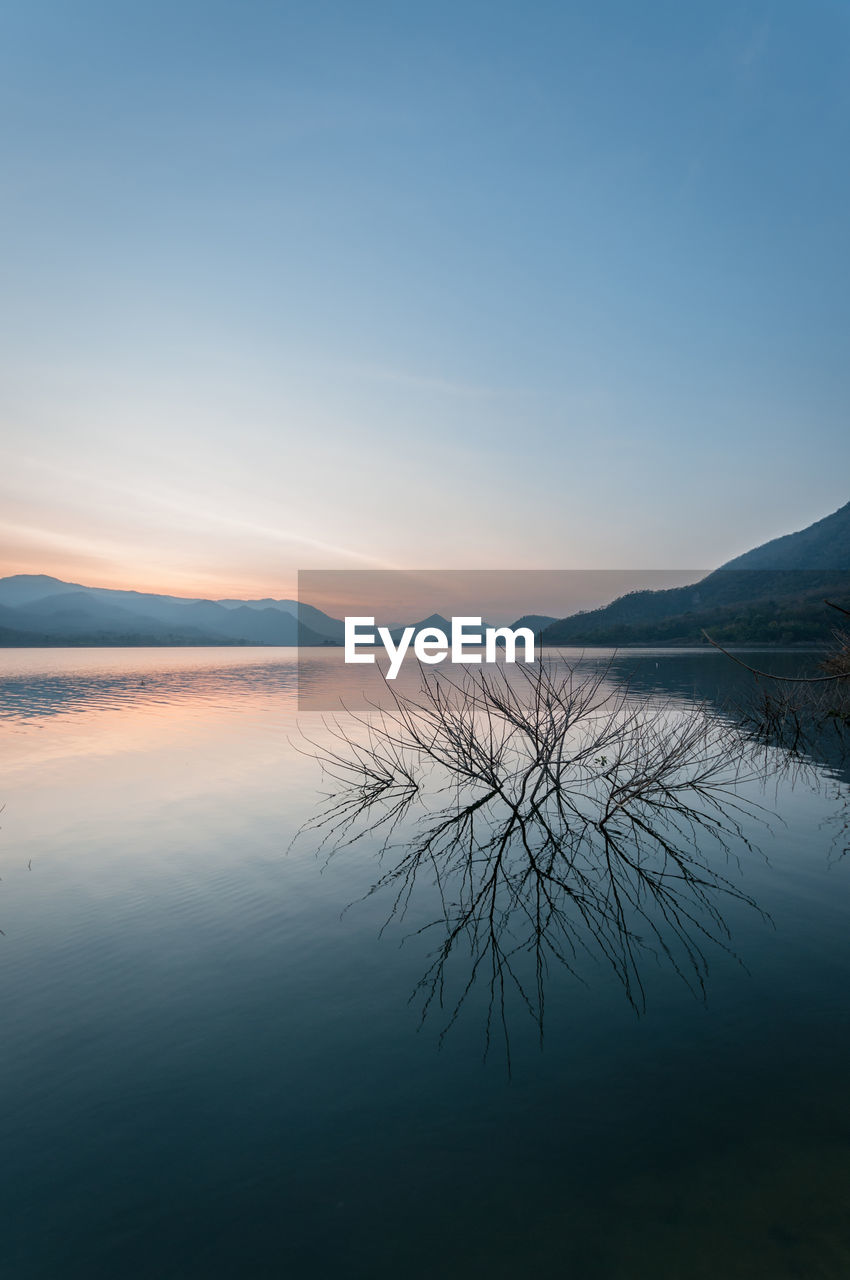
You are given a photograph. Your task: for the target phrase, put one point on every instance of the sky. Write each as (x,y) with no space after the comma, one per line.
(387,285)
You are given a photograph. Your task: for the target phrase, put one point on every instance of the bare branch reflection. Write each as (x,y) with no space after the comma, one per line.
(559,818)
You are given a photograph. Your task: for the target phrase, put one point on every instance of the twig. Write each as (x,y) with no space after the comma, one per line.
(768,675)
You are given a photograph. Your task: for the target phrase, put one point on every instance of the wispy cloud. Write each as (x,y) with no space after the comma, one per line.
(185,510)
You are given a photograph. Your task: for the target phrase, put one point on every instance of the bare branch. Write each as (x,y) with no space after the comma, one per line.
(557,816)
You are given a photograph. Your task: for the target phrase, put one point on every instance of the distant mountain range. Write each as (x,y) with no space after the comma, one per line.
(39,610)
(772,594)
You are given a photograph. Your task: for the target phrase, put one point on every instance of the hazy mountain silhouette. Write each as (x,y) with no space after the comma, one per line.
(38,609)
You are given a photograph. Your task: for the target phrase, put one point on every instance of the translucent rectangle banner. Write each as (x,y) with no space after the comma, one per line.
(362,632)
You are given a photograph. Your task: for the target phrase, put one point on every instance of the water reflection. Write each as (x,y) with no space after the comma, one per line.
(175,988)
(561,819)
(798,738)
(46,683)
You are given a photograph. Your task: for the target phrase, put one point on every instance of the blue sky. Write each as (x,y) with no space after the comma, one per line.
(292,285)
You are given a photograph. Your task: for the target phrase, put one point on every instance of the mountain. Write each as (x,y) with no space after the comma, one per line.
(823,545)
(39,610)
(307,614)
(538,622)
(25,588)
(773,594)
(435,620)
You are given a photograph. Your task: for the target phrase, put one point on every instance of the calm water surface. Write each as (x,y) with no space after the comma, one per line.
(211,1068)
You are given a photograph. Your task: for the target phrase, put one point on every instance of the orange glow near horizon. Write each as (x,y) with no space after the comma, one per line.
(189,585)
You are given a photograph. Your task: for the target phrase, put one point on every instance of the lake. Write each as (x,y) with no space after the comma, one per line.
(212,1064)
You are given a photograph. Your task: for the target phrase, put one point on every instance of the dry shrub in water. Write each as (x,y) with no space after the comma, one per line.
(557,816)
